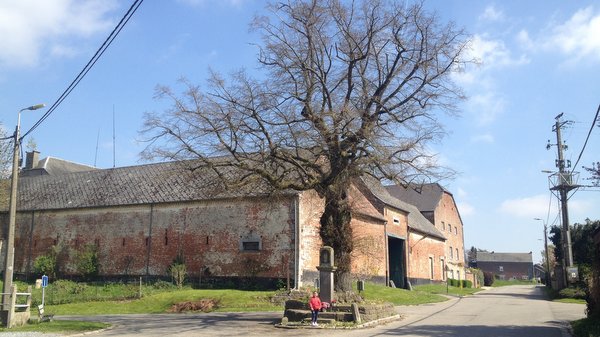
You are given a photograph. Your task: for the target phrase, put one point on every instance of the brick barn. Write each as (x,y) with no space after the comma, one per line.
(140,218)
(439,207)
(506,266)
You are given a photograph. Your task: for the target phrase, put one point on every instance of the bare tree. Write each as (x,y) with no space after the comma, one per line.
(6,147)
(348,89)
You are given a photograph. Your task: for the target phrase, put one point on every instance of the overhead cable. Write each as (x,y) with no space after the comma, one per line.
(586,139)
(136,4)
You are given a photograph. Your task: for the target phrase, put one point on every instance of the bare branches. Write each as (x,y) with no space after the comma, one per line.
(352,87)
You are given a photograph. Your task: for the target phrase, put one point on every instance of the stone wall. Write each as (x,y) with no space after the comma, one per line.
(242,237)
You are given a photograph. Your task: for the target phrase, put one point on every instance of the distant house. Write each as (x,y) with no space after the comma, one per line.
(506,266)
(50,166)
(438,206)
(141,218)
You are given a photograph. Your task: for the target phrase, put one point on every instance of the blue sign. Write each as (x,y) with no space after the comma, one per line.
(44,281)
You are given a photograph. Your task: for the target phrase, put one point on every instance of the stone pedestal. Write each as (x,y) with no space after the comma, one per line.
(327,287)
(326,269)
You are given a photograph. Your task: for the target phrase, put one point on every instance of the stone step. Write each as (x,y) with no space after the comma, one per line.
(298,315)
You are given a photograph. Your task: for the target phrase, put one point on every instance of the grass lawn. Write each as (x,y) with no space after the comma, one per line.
(228,301)
(587,327)
(503,283)
(443,290)
(59,327)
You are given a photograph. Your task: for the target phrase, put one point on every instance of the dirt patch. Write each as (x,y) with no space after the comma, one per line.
(204,305)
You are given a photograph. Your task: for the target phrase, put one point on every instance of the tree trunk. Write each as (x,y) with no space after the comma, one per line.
(337,233)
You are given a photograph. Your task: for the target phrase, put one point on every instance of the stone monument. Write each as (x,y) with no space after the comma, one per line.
(326,268)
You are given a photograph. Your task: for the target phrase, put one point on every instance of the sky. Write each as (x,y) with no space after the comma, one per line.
(537,59)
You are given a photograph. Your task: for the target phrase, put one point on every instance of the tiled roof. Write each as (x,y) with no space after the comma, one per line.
(143,184)
(416,220)
(425,197)
(504,257)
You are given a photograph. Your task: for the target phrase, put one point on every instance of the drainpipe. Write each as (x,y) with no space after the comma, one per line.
(387,254)
(297,241)
(149,248)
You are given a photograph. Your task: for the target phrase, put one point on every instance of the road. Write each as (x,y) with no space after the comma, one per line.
(519,311)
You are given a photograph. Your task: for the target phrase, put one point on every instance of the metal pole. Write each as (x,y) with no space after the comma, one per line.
(548,272)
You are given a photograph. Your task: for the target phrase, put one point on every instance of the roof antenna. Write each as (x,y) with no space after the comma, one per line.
(97,141)
(114,142)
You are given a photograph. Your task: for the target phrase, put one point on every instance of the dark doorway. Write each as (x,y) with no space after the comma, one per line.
(397,265)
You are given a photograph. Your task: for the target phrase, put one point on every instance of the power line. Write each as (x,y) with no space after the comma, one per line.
(586,139)
(136,4)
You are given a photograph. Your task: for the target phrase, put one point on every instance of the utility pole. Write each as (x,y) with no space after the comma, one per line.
(548,272)
(563,184)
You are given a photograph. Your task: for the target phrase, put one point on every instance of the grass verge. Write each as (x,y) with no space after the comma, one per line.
(503,283)
(228,301)
(443,290)
(59,327)
(587,327)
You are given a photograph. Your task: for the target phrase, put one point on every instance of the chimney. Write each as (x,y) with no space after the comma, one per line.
(32,159)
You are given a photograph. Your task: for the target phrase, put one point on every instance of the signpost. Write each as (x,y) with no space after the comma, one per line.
(44,285)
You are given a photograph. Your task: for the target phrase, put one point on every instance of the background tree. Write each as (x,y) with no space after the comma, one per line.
(6,153)
(556,238)
(346,89)
(551,258)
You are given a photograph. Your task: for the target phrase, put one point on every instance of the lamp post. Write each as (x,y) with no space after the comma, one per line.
(12,215)
(548,273)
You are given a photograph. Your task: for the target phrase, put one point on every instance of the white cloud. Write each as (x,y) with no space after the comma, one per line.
(32,29)
(483,138)
(494,53)
(577,38)
(491,13)
(486,107)
(527,207)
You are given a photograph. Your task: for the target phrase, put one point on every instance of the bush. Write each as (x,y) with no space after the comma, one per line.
(86,261)
(47,264)
(488,278)
(178,271)
(160,284)
(467,284)
(577,293)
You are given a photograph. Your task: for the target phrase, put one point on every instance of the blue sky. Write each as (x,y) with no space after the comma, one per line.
(538,59)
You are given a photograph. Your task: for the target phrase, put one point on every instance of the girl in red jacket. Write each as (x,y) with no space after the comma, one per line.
(315,306)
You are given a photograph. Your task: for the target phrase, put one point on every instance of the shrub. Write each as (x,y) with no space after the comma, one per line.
(467,284)
(86,261)
(47,264)
(178,271)
(488,278)
(578,293)
(160,284)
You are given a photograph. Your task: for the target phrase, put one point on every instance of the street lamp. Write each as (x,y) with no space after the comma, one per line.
(548,273)
(12,215)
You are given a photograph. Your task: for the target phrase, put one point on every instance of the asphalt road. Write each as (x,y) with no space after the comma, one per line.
(519,311)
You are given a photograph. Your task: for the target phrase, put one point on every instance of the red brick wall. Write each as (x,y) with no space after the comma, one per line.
(446,217)
(208,234)
(421,248)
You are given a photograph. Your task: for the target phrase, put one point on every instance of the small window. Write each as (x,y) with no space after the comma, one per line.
(443,226)
(455,230)
(450,228)
(431,268)
(501,268)
(396,221)
(251,246)
(451,253)
(457,256)
(443,268)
